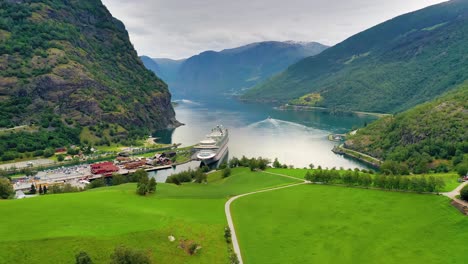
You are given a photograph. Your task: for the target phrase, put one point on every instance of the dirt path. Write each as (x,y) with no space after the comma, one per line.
(456,192)
(227,210)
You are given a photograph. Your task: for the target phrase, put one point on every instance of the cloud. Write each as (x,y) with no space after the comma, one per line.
(182,28)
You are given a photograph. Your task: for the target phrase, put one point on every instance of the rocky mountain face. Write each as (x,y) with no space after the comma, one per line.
(231,71)
(72,60)
(388,68)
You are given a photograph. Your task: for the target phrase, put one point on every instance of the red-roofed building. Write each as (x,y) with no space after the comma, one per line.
(106,168)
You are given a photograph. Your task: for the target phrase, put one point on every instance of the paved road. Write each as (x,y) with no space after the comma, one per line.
(456,192)
(227,210)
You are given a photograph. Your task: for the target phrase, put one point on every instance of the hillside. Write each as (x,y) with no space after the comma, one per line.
(233,70)
(72,62)
(388,68)
(424,137)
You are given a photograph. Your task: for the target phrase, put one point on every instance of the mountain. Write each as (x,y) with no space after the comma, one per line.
(230,71)
(71,61)
(423,137)
(151,65)
(388,68)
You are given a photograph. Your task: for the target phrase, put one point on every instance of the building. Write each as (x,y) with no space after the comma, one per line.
(105,168)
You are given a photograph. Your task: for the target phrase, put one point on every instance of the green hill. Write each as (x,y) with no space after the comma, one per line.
(388,68)
(72,61)
(425,137)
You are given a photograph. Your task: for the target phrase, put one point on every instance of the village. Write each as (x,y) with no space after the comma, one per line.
(82,174)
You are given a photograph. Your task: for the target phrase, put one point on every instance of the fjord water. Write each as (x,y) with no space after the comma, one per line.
(296,138)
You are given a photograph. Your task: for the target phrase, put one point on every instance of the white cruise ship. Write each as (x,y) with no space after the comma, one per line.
(213,147)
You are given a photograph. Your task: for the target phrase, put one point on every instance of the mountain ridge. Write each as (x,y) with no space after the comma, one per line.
(211,73)
(410,59)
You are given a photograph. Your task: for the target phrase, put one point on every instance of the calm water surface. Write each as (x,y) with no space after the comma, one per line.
(297,138)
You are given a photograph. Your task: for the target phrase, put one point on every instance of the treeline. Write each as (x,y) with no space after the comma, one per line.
(198,176)
(368,180)
(252,163)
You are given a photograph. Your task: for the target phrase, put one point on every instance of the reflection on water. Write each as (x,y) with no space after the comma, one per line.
(298,138)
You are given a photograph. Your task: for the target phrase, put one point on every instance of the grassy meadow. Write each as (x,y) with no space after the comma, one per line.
(53,228)
(331,224)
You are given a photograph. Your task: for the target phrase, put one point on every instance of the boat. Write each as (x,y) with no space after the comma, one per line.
(214,146)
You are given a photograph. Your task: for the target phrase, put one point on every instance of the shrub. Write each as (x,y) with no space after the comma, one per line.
(464,193)
(226,172)
(124,255)
(83,258)
(6,189)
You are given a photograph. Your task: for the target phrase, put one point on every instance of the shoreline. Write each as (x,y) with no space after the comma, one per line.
(312,108)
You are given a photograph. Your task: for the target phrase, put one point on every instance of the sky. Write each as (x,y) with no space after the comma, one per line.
(181,28)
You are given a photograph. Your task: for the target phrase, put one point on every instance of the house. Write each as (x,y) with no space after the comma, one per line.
(106,168)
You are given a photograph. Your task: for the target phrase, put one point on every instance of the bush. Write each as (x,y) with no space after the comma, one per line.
(6,189)
(83,258)
(97,183)
(464,193)
(124,255)
(226,172)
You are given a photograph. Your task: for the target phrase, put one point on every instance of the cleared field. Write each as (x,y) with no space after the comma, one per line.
(329,224)
(53,228)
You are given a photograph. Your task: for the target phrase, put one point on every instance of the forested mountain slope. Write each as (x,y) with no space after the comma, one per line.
(422,137)
(72,61)
(388,68)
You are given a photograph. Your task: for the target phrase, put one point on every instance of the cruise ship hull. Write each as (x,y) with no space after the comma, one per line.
(219,154)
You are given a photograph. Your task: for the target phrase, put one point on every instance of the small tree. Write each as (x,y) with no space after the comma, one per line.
(45,189)
(227,234)
(152,185)
(33,189)
(464,193)
(6,189)
(83,258)
(143,185)
(60,157)
(226,172)
(41,191)
(276,163)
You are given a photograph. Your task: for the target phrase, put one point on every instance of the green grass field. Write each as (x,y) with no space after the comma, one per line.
(330,224)
(53,228)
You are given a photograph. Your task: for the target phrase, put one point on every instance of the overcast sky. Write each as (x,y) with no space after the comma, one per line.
(182,28)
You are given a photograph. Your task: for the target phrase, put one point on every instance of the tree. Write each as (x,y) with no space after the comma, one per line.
(45,189)
(118,179)
(97,183)
(33,189)
(6,189)
(308,176)
(138,174)
(41,191)
(464,193)
(49,152)
(124,255)
(60,157)
(143,185)
(83,258)
(276,163)
(226,172)
(152,185)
